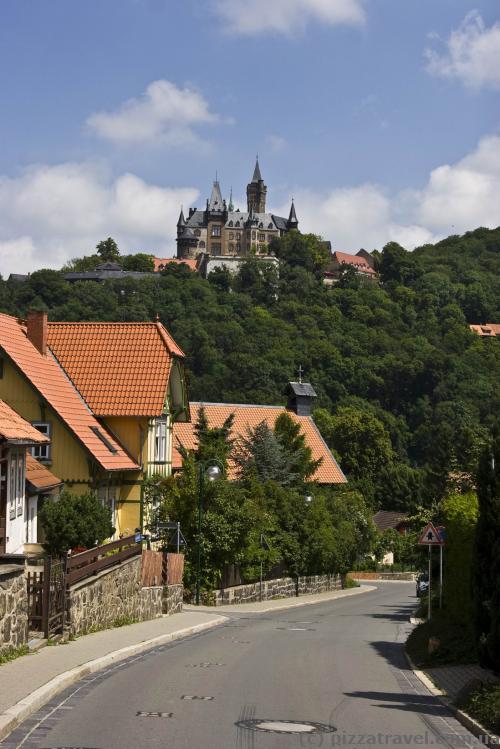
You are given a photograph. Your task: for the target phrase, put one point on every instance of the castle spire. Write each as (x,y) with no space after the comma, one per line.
(292,222)
(182,221)
(257,176)
(231,205)
(256,191)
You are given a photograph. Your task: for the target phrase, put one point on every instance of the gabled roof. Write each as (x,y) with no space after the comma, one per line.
(120,369)
(13,428)
(302,388)
(161,262)
(49,380)
(356,260)
(39,476)
(216,202)
(249,416)
(385,519)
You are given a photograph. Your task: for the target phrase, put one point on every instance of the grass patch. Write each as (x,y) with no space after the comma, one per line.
(10,654)
(483,704)
(350,583)
(452,641)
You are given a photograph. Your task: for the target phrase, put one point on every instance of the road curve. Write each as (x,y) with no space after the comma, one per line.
(329,674)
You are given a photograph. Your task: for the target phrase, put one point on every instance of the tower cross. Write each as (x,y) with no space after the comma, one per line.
(301,372)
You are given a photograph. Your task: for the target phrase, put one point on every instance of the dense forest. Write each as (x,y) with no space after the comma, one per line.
(407,395)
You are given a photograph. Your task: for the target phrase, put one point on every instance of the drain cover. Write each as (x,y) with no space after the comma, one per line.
(194,697)
(142,714)
(285,726)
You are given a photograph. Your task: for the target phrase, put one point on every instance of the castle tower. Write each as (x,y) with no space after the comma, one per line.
(256,192)
(292,222)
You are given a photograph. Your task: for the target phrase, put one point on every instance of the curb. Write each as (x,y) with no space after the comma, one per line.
(472,725)
(16,714)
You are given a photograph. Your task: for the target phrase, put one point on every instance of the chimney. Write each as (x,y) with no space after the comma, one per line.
(300,398)
(36,329)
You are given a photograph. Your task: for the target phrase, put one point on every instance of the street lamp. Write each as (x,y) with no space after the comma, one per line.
(209,471)
(308,499)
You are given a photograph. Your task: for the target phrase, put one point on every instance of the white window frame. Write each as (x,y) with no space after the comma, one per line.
(43,452)
(161,441)
(16,483)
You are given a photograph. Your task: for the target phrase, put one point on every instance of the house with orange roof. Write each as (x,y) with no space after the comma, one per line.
(18,510)
(247,416)
(488,330)
(105,395)
(362,263)
(160,263)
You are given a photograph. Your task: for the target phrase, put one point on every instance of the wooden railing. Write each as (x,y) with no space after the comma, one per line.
(88,563)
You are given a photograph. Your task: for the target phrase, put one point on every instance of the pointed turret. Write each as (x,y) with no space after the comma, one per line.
(182,221)
(257,191)
(292,222)
(216,203)
(231,205)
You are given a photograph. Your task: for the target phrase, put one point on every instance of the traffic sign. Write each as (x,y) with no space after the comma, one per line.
(430,536)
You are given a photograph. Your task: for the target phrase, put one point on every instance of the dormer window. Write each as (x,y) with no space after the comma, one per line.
(42,452)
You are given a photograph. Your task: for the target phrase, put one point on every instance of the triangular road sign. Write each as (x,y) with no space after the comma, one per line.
(430,536)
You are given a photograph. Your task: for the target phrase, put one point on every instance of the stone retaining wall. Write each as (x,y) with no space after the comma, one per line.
(382,575)
(172,599)
(116,597)
(285,587)
(13,607)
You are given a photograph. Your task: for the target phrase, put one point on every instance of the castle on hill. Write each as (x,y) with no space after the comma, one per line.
(220,230)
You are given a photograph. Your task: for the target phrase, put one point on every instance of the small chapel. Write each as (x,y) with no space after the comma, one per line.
(220,230)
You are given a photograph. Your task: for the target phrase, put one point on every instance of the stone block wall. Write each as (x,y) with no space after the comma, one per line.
(383,575)
(172,599)
(114,597)
(13,607)
(285,587)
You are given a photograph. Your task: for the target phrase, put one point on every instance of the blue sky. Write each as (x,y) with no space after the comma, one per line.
(381,118)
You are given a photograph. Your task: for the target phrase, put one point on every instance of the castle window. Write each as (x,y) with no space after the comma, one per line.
(262,237)
(262,248)
(216,249)
(230,247)
(197,233)
(231,235)
(261,225)
(216,230)
(270,226)
(254,234)
(230,223)
(238,248)
(201,244)
(237,223)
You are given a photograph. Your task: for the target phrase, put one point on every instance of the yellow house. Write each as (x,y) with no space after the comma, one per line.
(106,395)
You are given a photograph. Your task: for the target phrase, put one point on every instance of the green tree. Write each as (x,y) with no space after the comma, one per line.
(293,441)
(261,456)
(74,520)
(459,515)
(108,250)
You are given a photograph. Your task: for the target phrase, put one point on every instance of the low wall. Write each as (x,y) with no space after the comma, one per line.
(13,607)
(115,596)
(285,587)
(382,575)
(172,599)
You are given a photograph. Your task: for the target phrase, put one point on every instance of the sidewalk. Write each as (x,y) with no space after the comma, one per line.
(277,604)
(31,680)
(452,680)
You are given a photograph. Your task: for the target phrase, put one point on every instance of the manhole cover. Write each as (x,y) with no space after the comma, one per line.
(195,697)
(285,726)
(143,714)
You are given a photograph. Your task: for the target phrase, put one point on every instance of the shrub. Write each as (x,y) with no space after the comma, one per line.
(75,520)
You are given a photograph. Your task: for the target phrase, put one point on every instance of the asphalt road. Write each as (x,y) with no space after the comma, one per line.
(336,668)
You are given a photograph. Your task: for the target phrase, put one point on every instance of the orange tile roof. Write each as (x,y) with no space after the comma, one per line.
(14,428)
(249,416)
(120,369)
(47,377)
(488,330)
(161,262)
(39,475)
(344,259)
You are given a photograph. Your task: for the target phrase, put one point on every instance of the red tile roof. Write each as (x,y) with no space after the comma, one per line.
(249,416)
(39,475)
(49,380)
(161,262)
(488,330)
(14,428)
(120,369)
(359,262)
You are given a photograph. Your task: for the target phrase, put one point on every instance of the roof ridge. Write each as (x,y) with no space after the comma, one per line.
(236,405)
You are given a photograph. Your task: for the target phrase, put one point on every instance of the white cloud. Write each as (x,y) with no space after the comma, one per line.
(53,213)
(457,198)
(250,17)
(276,143)
(164,114)
(472,54)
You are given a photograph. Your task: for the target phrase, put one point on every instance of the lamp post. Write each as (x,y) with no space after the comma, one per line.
(209,471)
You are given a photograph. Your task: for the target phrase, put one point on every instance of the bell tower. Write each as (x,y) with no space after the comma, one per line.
(256,192)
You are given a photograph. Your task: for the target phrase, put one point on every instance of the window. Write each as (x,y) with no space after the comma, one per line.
(216,249)
(262,237)
(238,248)
(16,483)
(254,234)
(42,452)
(201,244)
(231,235)
(230,248)
(161,440)
(216,230)
(262,248)
(197,233)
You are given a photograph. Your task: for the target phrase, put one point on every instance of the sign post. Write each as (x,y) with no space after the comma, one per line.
(442,535)
(430,537)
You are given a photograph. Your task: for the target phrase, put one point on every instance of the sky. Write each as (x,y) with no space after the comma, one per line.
(381,118)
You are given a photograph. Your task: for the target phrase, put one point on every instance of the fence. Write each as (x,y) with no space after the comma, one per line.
(47,598)
(87,563)
(160,568)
